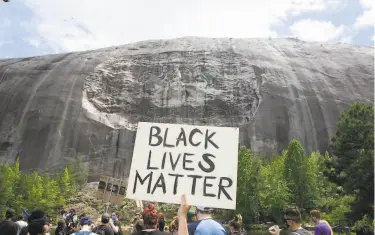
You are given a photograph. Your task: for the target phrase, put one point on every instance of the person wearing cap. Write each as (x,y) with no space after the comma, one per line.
(204,225)
(190,216)
(292,217)
(107,227)
(85,224)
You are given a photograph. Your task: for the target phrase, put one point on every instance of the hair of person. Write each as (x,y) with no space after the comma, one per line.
(139,226)
(19,217)
(61,224)
(150,216)
(105,218)
(235,225)
(8,228)
(292,213)
(35,214)
(10,213)
(35,228)
(161,217)
(315,213)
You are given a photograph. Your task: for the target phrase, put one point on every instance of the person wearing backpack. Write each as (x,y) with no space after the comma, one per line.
(107,227)
(85,223)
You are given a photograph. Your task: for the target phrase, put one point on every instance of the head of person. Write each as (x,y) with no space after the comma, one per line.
(19,218)
(150,217)
(85,221)
(292,217)
(61,224)
(202,212)
(37,227)
(139,226)
(38,217)
(114,216)
(105,218)
(315,215)
(10,214)
(234,226)
(161,217)
(190,216)
(8,228)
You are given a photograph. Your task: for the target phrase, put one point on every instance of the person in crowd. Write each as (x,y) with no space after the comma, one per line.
(10,215)
(292,217)
(61,228)
(37,216)
(8,227)
(150,221)
(161,222)
(72,229)
(173,226)
(20,221)
(235,225)
(204,224)
(85,223)
(138,226)
(117,223)
(107,227)
(190,216)
(322,227)
(38,226)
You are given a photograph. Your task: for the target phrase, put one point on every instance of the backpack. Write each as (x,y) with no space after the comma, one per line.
(99,230)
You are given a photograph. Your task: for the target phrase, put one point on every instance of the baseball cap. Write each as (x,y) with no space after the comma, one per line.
(203,208)
(85,220)
(190,213)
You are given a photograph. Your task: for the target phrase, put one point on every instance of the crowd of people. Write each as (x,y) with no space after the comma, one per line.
(188,221)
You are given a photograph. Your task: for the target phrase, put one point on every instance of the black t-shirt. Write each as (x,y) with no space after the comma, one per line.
(161,225)
(61,231)
(103,230)
(24,231)
(151,232)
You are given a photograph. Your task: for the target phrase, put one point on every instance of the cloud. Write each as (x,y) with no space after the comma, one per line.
(367,18)
(88,24)
(315,30)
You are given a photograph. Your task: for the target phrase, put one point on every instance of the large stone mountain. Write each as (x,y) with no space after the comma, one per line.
(53,108)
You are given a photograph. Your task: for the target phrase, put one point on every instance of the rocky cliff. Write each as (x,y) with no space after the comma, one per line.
(88,103)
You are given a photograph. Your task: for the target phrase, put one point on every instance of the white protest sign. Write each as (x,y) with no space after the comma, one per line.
(170,159)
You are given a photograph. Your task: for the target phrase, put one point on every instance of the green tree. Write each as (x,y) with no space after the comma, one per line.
(274,193)
(78,173)
(248,185)
(34,191)
(65,184)
(300,176)
(353,164)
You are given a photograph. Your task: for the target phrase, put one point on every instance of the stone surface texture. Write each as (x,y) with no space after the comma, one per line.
(53,108)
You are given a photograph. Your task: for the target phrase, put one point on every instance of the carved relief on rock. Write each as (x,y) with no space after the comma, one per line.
(174,87)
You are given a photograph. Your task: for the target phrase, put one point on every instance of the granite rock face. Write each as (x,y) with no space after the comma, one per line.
(53,108)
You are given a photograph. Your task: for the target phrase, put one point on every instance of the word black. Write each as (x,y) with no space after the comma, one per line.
(155,138)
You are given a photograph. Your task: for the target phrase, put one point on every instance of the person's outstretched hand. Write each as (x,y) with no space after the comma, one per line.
(184,207)
(275,230)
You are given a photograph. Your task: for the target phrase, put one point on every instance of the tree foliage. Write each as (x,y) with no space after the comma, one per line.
(31,190)
(353,164)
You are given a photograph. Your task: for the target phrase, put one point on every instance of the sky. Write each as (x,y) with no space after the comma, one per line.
(40,27)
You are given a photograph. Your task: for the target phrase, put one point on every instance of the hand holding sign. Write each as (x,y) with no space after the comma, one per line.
(169,159)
